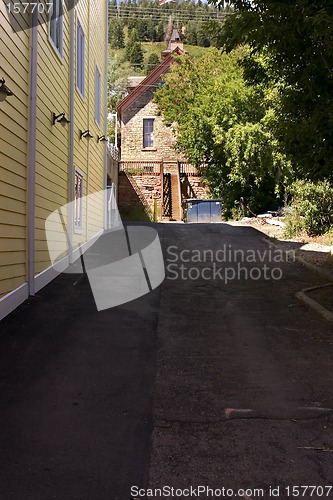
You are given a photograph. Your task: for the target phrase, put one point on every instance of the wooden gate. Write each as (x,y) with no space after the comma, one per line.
(167,203)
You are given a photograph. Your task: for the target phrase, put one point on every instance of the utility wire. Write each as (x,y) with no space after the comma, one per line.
(159,14)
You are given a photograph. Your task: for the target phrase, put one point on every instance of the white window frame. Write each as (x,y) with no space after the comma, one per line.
(57,22)
(145,120)
(80,58)
(78,202)
(98,95)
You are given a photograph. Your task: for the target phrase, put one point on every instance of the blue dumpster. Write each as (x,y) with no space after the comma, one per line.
(203,210)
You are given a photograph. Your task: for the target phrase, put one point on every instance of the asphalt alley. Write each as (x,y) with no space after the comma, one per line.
(198,382)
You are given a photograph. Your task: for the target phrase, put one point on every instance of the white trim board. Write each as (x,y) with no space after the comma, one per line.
(13,299)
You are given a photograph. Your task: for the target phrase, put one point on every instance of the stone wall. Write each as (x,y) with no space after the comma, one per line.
(137,191)
(132,132)
(193,187)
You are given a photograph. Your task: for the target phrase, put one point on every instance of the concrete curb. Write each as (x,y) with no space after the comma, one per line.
(325,313)
(313,304)
(312,267)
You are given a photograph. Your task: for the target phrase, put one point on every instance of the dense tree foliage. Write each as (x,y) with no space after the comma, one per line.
(133,49)
(152,62)
(194,19)
(295,39)
(227,126)
(116,34)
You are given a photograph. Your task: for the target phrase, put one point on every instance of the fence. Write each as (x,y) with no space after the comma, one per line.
(113,151)
(189,170)
(140,167)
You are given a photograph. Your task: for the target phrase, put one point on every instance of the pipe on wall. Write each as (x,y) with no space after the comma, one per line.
(32,140)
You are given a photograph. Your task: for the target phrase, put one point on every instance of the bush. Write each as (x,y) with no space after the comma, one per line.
(311,208)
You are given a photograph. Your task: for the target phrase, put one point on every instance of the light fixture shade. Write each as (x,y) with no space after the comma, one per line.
(61,118)
(86,134)
(4,90)
(102,138)
(63,121)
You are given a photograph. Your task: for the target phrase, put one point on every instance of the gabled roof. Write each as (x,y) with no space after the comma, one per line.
(134,81)
(151,80)
(175,37)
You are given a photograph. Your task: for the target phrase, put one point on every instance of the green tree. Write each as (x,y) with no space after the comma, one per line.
(191,33)
(226,125)
(151,31)
(132,39)
(113,8)
(296,39)
(152,62)
(136,55)
(202,38)
(116,34)
(160,31)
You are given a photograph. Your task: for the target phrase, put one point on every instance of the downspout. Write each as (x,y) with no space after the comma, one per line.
(106,117)
(32,140)
(70,215)
(87,93)
(179,191)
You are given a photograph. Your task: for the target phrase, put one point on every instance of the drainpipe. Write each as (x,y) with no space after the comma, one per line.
(70,216)
(32,139)
(179,191)
(106,117)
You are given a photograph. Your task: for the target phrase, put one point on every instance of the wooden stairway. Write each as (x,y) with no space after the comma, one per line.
(175,196)
(173,170)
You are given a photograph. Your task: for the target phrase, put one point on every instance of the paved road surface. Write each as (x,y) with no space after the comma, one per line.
(241,397)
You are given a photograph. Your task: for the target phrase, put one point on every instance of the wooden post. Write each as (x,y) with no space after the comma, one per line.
(329,259)
(155,209)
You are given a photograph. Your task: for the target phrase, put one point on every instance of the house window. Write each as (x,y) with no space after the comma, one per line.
(80,50)
(56,25)
(98,96)
(78,195)
(148,132)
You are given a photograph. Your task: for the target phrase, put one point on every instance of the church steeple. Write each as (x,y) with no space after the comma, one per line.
(174,43)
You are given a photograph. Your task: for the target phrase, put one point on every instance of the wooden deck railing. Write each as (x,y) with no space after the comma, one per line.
(113,151)
(190,170)
(141,167)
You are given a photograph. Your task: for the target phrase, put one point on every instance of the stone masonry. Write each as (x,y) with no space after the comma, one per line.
(149,187)
(132,132)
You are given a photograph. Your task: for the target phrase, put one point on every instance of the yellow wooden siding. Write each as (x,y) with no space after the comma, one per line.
(81,146)
(13,156)
(10,207)
(52,140)
(11,245)
(96,150)
(8,285)
(13,178)
(9,230)
(89,155)
(12,258)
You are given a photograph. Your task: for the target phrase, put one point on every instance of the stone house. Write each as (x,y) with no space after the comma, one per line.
(150,166)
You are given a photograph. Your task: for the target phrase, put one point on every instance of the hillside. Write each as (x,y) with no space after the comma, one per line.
(120,68)
(138,30)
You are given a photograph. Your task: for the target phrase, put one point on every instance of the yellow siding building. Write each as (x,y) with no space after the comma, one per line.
(52,131)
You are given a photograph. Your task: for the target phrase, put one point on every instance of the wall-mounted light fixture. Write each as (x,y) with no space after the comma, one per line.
(4,90)
(61,118)
(86,134)
(102,138)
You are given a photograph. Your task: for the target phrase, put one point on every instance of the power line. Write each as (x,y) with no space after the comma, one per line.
(157,13)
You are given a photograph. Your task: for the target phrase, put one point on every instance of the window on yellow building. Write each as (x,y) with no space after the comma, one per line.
(80,54)
(148,132)
(56,25)
(78,195)
(98,96)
